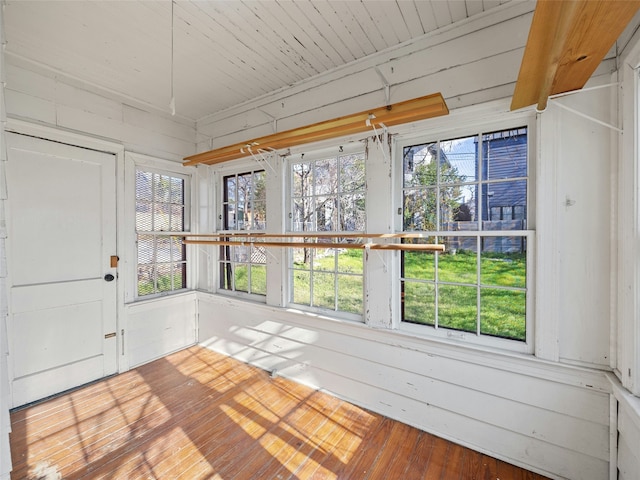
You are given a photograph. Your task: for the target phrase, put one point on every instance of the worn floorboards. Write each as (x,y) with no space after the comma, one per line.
(197,414)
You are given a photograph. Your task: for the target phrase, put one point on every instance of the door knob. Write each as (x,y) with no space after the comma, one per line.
(109,278)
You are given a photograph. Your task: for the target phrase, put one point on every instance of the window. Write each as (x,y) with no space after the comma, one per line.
(469,193)
(328,195)
(243,269)
(161,208)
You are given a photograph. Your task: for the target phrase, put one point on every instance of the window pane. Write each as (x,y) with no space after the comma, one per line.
(301,258)
(350,261)
(144,222)
(146,279)
(326,214)
(352,173)
(324,259)
(163,280)
(419,265)
(163,249)
(458,160)
(177,191)
(505,154)
(161,188)
(420,209)
(302,174)
(230,189)
(259,279)
(352,212)
(419,303)
(161,217)
(143,186)
(458,267)
(503,261)
(259,217)
(145,249)
(303,215)
(179,275)
(301,287)
(420,165)
(324,290)
(350,293)
(177,217)
(230,216)
(326,177)
(457,307)
(241,277)
(177,249)
(226,273)
(501,202)
(502,313)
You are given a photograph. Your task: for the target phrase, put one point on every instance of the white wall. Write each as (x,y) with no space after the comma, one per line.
(628,433)
(550,411)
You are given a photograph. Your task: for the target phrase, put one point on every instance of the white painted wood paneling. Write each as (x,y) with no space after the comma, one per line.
(628,429)
(546,425)
(35,96)
(160,326)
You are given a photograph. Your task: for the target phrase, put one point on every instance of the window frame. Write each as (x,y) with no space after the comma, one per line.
(314,155)
(160,167)
(467,129)
(237,170)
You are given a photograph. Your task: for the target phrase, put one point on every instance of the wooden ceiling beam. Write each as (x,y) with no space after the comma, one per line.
(396,114)
(567,41)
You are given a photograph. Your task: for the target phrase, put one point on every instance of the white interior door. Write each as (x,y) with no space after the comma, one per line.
(61,235)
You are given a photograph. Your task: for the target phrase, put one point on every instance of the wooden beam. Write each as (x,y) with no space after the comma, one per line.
(396,114)
(567,41)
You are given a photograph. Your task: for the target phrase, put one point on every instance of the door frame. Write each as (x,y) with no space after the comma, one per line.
(118,150)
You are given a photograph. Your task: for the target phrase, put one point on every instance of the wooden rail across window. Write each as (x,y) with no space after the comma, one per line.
(396,114)
(256,239)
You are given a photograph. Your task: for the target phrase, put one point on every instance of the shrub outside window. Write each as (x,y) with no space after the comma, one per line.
(243,268)
(328,195)
(161,201)
(469,193)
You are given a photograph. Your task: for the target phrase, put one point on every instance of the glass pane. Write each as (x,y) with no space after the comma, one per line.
(179,276)
(241,277)
(259,255)
(161,188)
(161,217)
(226,271)
(419,265)
(177,217)
(420,165)
(504,261)
(457,307)
(504,154)
(503,313)
(163,249)
(420,209)
(326,176)
(177,191)
(230,216)
(458,266)
(259,185)
(259,279)
(352,213)
(259,217)
(146,279)
(144,222)
(230,189)
(241,254)
(458,160)
(302,214)
(177,249)
(500,201)
(145,249)
(301,287)
(350,293)
(458,207)
(302,175)
(164,280)
(324,259)
(301,258)
(350,261)
(352,175)
(326,214)
(419,303)
(143,186)
(324,290)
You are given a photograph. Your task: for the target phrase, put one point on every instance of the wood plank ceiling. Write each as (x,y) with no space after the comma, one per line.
(224,53)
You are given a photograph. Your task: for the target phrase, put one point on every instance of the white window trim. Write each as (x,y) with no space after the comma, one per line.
(472,124)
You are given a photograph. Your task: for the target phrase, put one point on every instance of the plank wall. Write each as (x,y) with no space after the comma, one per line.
(628,435)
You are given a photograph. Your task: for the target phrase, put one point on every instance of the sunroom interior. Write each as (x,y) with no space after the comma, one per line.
(428,209)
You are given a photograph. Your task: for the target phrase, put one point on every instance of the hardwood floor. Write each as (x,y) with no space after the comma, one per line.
(197,414)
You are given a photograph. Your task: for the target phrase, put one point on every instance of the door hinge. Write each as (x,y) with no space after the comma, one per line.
(110,335)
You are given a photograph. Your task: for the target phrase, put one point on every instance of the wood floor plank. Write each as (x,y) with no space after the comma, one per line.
(197,414)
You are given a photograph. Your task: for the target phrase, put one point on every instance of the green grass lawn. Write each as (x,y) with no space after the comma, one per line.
(501,293)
